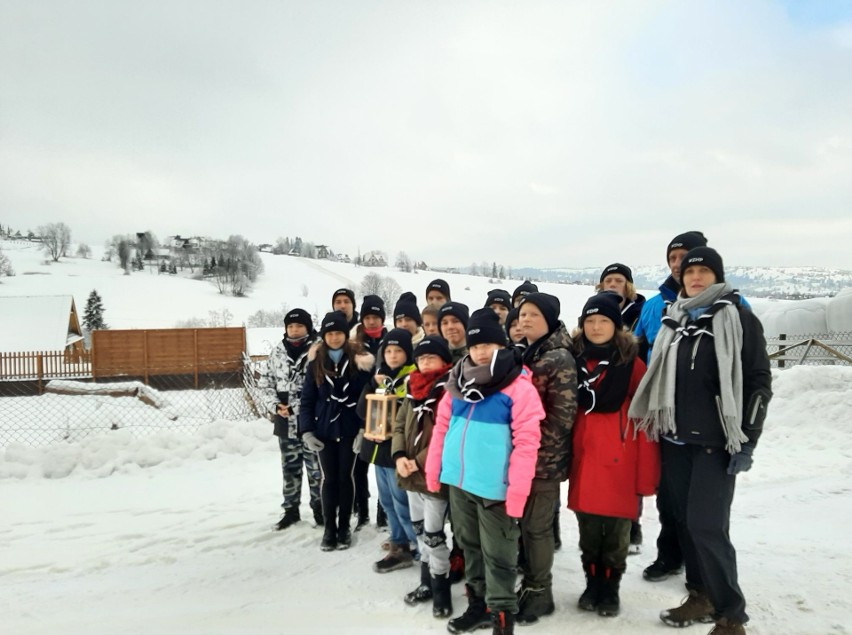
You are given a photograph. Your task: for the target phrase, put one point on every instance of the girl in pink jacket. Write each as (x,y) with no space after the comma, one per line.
(484,447)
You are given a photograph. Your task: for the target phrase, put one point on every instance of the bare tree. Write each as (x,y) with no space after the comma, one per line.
(403,262)
(84,251)
(55,239)
(5,265)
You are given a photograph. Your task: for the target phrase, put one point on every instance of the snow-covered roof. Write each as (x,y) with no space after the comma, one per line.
(36,323)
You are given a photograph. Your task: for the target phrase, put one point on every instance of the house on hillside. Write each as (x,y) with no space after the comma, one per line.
(324,252)
(41,324)
(375,260)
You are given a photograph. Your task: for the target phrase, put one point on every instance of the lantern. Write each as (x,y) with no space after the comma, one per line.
(381,414)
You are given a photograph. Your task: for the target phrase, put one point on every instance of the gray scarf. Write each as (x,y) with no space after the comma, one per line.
(653,406)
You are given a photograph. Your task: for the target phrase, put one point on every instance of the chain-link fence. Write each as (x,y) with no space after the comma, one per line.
(811,349)
(37,413)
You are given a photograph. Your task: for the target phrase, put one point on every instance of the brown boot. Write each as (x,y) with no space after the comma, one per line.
(399,557)
(696,608)
(726,627)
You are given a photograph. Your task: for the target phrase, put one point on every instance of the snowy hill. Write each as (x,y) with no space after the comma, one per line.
(150,300)
(172,534)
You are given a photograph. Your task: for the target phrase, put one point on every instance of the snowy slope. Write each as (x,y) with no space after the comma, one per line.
(171,534)
(150,300)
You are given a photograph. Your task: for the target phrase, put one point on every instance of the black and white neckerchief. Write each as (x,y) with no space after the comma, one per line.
(590,378)
(703,324)
(428,403)
(339,391)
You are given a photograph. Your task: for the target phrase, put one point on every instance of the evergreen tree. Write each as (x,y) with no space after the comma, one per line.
(93,317)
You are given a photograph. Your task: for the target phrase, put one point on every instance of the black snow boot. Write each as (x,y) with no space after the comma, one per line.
(589,599)
(290,517)
(609,603)
(381,517)
(502,623)
(423,592)
(344,535)
(329,538)
(534,603)
(475,617)
(442,597)
(316,508)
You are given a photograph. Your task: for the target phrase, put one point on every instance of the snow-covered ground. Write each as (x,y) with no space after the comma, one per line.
(172,534)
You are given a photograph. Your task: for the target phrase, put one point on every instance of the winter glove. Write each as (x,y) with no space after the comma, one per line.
(741,461)
(311,442)
(357,441)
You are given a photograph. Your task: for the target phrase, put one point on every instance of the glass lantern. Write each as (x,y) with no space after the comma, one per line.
(381,414)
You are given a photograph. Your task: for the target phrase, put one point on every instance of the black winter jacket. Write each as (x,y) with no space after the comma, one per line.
(697,412)
(327,418)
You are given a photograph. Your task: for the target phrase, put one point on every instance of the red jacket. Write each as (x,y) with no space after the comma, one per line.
(612,467)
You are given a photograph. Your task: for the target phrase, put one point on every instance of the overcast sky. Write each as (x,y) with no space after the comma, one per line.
(531,133)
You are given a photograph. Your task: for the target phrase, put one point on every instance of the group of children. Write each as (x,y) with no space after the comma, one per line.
(495,410)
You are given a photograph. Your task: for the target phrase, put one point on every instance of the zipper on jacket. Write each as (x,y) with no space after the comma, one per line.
(695,351)
(461,445)
(755,410)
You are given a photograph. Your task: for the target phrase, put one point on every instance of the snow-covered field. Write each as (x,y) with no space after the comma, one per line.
(172,534)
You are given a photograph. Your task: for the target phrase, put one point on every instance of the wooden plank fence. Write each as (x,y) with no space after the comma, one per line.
(41,365)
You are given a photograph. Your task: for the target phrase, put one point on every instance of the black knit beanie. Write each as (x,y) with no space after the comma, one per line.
(484,328)
(499,296)
(605,303)
(439,285)
(524,289)
(401,338)
(373,305)
(513,316)
(335,321)
(687,240)
(547,304)
(406,306)
(299,316)
(617,267)
(348,293)
(457,310)
(433,345)
(706,256)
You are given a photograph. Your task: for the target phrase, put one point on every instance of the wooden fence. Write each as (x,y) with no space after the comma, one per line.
(819,349)
(160,352)
(40,365)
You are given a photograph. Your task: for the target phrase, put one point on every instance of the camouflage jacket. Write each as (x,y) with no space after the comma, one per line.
(555,378)
(284,375)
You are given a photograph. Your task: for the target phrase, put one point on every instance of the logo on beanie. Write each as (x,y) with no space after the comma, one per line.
(592,310)
(675,245)
(375,308)
(695,259)
(446,309)
(393,343)
(328,324)
(473,331)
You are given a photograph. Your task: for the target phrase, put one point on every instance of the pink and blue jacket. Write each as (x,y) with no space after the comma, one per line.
(488,448)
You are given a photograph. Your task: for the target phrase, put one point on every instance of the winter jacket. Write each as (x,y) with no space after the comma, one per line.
(370,344)
(373,451)
(488,448)
(554,375)
(697,390)
(631,311)
(612,466)
(284,376)
(412,435)
(328,409)
(457,354)
(648,324)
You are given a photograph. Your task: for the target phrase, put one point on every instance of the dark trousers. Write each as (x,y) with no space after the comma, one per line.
(362,487)
(702,492)
(337,460)
(489,539)
(604,540)
(537,533)
(668,544)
